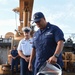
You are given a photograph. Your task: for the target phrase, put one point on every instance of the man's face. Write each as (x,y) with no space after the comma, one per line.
(26,34)
(14,48)
(41,24)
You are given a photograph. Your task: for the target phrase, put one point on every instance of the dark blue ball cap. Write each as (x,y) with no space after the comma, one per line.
(37,16)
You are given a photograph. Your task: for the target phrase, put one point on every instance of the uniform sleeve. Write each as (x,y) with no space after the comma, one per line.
(33,45)
(16,52)
(11,52)
(58,35)
(19,46)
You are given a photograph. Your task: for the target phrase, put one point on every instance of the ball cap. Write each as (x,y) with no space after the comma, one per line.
(37,16)
(26,29)
(15,46)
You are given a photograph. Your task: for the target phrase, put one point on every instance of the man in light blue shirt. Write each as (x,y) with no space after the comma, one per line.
(24,51)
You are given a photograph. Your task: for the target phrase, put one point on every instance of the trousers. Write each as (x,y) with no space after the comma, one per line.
(24,67)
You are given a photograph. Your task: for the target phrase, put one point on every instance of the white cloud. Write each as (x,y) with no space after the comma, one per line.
(3,2)
(61,18)
(70,10)
(8,25)
(8,22)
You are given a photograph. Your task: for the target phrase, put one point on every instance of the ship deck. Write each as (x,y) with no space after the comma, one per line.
(9,73)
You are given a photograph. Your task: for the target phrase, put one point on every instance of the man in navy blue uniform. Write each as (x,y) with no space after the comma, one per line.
(47,43)
(14,62)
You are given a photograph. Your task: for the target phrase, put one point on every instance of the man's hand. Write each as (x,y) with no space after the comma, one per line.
(14,57)
(30,67)
(52,60)
(27,59)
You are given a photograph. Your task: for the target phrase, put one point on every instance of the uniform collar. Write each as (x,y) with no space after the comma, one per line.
(47,27)
(27,39)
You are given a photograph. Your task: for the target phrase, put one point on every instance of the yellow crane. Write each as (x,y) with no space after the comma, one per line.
(25,13)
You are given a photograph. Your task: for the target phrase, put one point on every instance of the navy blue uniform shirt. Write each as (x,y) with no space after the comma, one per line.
(14,53)
(45,42)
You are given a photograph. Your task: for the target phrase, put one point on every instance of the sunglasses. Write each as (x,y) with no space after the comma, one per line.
(38,21)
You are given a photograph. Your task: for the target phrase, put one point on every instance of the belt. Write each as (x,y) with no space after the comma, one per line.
(27,55)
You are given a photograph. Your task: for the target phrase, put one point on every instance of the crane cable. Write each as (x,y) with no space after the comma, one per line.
(16,19)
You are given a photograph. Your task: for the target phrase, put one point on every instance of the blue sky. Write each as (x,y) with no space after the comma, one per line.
(58,12)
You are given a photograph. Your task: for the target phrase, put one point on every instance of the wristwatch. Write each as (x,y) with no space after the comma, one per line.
(56,55)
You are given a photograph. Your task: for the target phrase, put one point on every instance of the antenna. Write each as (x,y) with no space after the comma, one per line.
(16,18)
